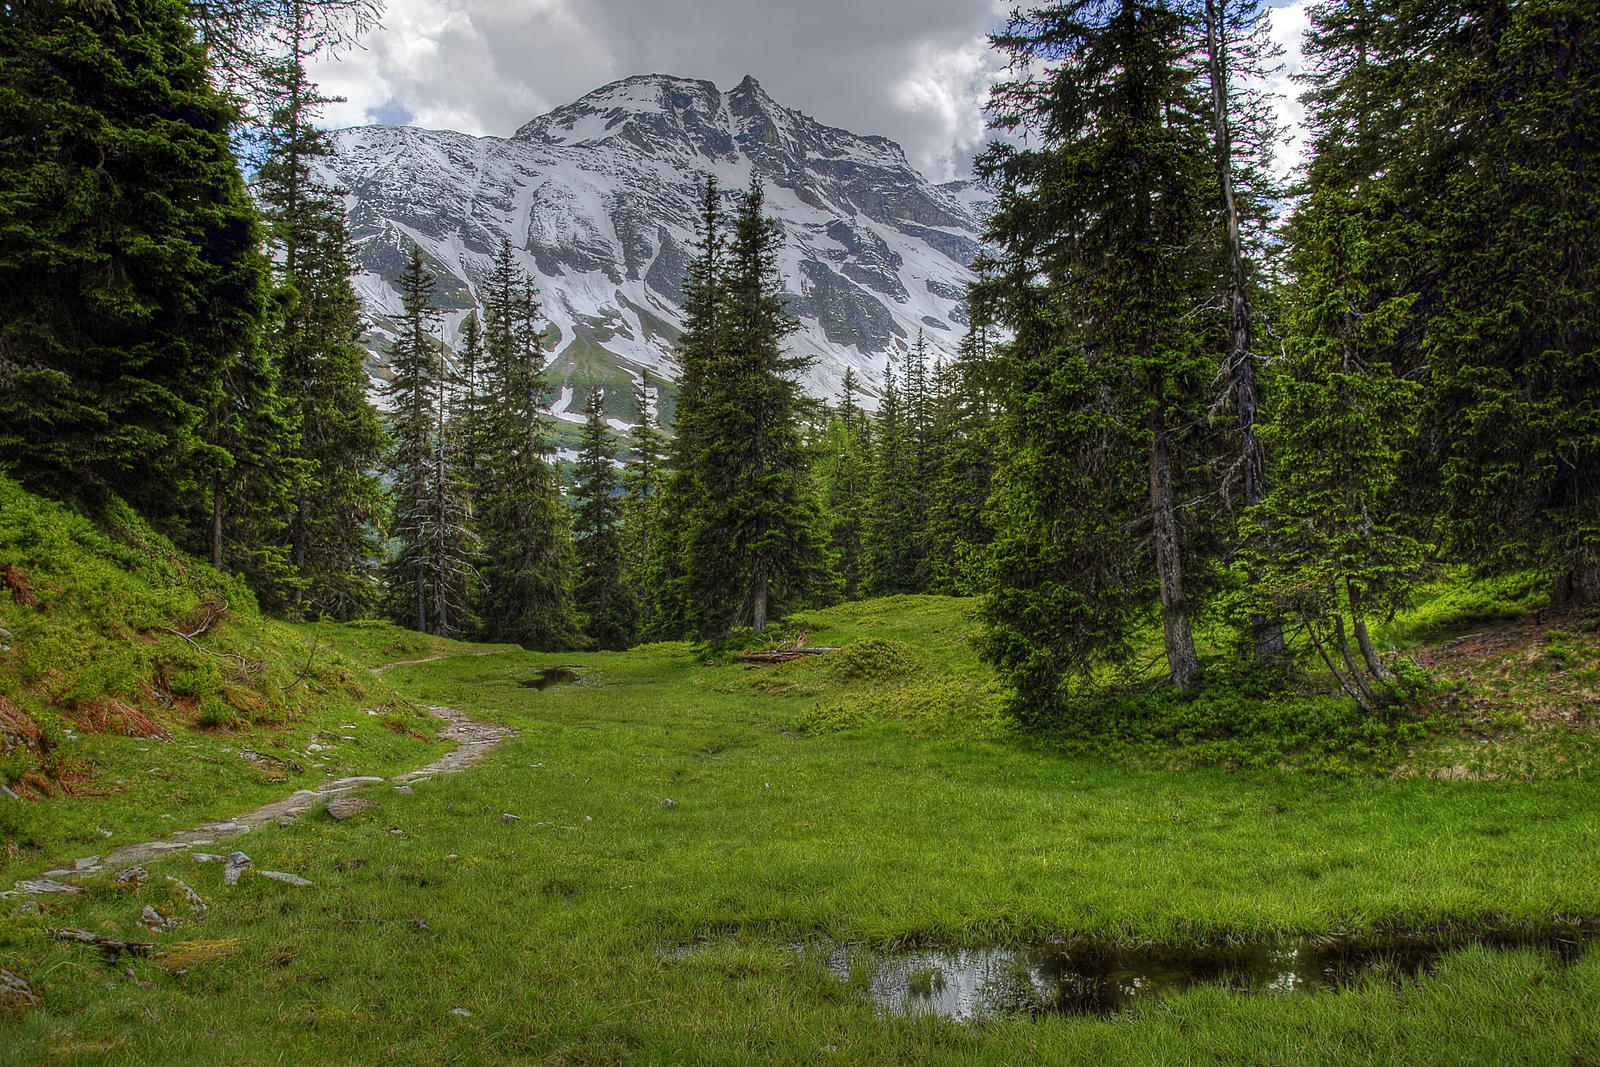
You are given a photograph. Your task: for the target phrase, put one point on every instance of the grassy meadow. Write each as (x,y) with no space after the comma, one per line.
(681,821)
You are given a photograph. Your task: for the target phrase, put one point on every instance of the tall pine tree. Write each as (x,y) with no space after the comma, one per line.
(1101,267)
(604,596)
(131,276)
(528,566)
(756,543)
(429,573)
(316,330)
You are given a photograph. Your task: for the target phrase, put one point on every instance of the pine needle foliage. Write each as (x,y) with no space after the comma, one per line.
(528,567)
(603,595)
(1102,264)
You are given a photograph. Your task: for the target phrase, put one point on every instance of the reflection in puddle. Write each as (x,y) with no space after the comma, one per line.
(550,676)
(1085,977)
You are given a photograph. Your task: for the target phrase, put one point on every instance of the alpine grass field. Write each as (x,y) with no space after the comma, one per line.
(873,797)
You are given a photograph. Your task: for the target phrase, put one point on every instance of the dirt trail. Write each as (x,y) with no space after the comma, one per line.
(474,740)
(438,656)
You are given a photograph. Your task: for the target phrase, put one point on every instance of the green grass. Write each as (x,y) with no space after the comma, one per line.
(877,795)
(909,826)
(118,729)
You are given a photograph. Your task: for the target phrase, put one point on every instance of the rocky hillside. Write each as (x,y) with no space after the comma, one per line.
(599,198)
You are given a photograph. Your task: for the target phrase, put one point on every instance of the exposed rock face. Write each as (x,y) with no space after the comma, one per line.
(599,199)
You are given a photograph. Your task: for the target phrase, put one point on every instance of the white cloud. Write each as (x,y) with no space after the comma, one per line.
(917,71)
(913,70)
(1288,27)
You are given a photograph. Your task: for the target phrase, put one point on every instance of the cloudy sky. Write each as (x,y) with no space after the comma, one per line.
(913,70)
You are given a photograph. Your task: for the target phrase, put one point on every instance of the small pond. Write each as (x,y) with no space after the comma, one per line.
(551,676)
(1088,977)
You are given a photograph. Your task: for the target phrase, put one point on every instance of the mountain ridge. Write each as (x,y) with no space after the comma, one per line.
(599,199)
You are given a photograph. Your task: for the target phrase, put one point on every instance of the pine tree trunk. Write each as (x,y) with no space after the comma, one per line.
(1350,664)
(1241,355)
(422,601)
(758,602)
(1181,655)
(1352,688)
(1363,639)
(216,523)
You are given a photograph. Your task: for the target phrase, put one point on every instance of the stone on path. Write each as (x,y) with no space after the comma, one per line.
(238,863)
(47,885)
(86,863)
(342,808)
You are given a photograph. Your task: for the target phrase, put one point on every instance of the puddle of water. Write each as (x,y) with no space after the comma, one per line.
(550,676)
(1095,978)
(1086,977)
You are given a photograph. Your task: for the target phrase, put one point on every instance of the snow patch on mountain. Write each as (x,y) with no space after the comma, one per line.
(599,199)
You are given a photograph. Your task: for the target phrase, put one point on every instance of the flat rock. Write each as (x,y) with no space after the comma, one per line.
(508,817)
(206,857)
(132,875)
(285,878)
(341,808)
(238,863)
(404,790)
(47,885)
(86,863)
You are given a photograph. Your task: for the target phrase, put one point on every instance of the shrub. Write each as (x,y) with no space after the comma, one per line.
(872,659)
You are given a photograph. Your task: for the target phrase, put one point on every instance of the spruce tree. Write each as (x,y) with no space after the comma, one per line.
(473,401)
(959,530)
(1329,548)
(245,477)
(528,566)
(844,468)
(755,542)
(670,612)
(1457,134)
(131,276)
(642,481)
(890,543)
(430,570)
(1102,266)
(603,594)
(316,328)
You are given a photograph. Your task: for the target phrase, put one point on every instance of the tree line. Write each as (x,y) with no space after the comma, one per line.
(1189,396)
(1276,430)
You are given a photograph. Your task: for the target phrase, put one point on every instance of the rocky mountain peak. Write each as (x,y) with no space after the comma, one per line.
(599,199)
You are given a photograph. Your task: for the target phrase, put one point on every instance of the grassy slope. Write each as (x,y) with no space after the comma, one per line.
(867,796)
(103,705)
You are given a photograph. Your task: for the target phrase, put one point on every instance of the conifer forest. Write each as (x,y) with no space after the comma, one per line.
(1245,483)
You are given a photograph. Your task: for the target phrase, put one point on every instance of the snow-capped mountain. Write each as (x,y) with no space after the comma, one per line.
(599,199)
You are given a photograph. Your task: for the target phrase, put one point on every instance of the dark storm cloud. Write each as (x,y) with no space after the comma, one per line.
(913,70)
